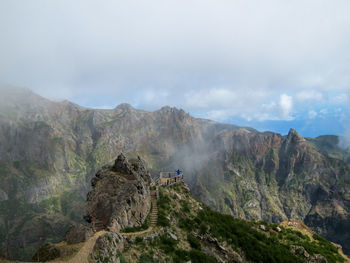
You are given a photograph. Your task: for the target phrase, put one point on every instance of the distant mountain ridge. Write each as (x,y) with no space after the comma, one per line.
(49,151)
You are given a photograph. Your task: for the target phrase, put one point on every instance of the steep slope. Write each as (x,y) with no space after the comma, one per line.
(330,145)
(49,151)
(185,230)
(275,178)
(189,231)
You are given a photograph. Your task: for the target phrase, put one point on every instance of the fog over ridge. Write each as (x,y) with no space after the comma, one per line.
(226,60)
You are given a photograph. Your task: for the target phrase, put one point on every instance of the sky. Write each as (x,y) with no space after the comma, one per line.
(271,64)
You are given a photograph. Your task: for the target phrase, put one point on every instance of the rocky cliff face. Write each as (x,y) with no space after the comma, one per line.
(120,195)
(49,151)
(275,178)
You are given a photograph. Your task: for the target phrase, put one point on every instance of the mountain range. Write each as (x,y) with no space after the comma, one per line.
(49,151)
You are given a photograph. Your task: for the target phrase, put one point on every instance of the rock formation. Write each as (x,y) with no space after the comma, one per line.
(50,151)
(120,195)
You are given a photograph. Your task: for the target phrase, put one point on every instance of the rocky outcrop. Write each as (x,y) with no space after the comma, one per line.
(120,195)
(108,248)
(50,151)
(274,178)
(301,252)
(3,195)
(78,233)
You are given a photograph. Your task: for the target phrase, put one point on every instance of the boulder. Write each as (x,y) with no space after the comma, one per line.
(299,251)
(173,236)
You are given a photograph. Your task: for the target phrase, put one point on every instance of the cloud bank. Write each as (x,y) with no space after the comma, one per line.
(256,60)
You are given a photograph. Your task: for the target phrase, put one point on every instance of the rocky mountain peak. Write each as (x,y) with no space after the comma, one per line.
(122,165)
(174,110)
(124,107)
(120,195)
(294,136)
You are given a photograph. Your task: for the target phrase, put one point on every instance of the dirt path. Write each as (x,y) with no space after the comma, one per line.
(126,235)
(82,255)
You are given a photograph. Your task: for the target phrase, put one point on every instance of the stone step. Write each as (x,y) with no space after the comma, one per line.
(154,212)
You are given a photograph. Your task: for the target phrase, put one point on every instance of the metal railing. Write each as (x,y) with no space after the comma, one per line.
(169,174)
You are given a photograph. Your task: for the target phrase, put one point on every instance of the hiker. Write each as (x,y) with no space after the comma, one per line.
(178,171)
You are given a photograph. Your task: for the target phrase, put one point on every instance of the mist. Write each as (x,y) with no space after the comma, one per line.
(222,60)
(344,141)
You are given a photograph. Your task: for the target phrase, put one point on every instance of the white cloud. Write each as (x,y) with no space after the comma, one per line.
(225,58)
(344,141)
(286,105)
(312,114)
(306,95)
(341,98)
(324,111)
(252,109)
(215,97)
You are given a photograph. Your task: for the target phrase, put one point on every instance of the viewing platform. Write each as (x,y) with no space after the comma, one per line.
(168,178)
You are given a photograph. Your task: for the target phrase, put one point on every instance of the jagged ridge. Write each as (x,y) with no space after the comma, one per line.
(50,151)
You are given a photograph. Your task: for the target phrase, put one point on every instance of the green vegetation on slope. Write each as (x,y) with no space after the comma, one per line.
(203,235)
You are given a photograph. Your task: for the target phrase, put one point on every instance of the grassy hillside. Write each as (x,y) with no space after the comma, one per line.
(188,230)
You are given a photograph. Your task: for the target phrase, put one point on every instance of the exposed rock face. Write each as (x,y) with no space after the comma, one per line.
(301,252)
(274,177)
(49,151)
(78,233)
(3,196)
(120,195)
(108,246)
